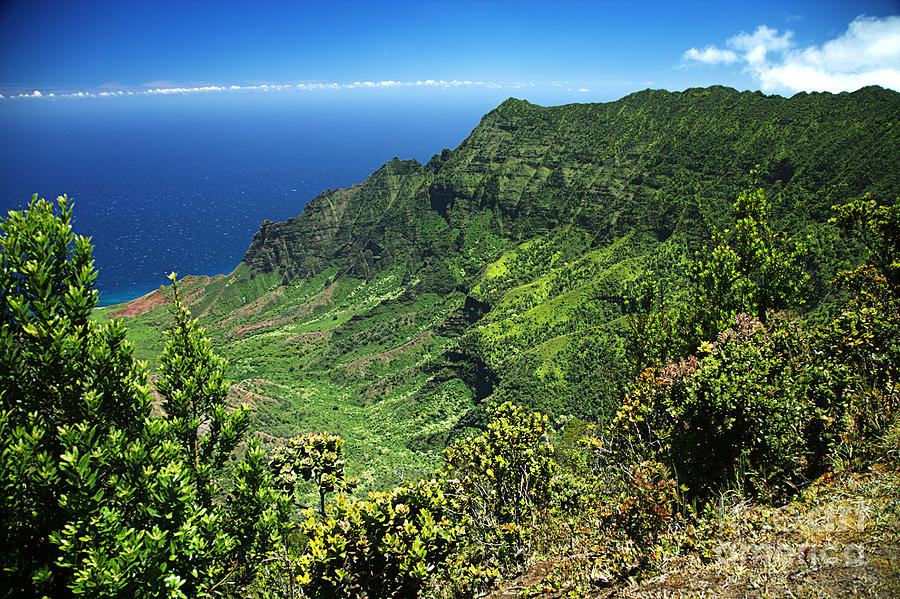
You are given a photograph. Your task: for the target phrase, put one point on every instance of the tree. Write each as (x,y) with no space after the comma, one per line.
(193,389)
(878,229)
(316,457)
(751,270)
(864,338)
(99,498)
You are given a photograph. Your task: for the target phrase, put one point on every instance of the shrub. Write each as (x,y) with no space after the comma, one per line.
(501,480)
(100,498)
(755,410)
(864,339)
(385,546)
(316,457)
(751,270)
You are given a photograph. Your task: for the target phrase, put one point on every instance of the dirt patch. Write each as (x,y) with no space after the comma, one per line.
(307,341)
(266,324)
(319,299)
(191,289)
(248,393)
(143,304)
(525,583)
(254,307)
(309,337)
(261,303)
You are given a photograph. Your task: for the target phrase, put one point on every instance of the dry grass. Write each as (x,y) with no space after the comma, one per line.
(841,538)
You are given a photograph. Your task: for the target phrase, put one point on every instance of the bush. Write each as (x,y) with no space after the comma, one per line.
(316,457)
(756,410)
(385,546)
(500,481)
(864,339)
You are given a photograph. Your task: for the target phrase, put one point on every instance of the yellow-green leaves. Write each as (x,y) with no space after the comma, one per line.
(384,546)
(316,457)
(501,480)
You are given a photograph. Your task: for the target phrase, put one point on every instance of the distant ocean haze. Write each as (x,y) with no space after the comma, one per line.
(181,184)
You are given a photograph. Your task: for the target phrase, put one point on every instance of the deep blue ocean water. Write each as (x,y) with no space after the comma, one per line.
(182,183)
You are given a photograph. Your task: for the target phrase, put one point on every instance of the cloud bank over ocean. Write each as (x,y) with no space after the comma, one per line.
(199,89)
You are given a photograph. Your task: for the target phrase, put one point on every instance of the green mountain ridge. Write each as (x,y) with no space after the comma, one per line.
(388,312)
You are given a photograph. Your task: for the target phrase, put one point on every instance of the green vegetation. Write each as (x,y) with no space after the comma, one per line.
(102,498)
(501,482)
(571,338)
(511,267)
(316,457)
(384,546)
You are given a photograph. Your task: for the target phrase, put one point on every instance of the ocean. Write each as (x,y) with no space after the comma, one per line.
(181,183)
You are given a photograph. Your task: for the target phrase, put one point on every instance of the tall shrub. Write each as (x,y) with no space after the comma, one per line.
(98,496)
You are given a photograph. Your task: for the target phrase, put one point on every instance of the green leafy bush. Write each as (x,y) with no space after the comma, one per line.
(750,270)
(500,482)
(316,457)
(756,410)
(101,498)
(864,339)
(386,546)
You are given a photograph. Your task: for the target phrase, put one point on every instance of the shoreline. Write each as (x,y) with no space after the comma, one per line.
(114,297)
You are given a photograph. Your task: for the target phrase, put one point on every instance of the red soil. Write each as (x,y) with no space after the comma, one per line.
(143,304)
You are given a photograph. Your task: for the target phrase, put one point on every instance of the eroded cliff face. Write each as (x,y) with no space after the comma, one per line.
(656,162)
(358,228)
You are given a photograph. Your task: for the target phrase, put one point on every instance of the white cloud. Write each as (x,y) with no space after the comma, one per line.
(867,53)
(170,89)
(755,47)
(710,55)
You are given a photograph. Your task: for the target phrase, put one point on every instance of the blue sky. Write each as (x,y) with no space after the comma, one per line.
(582,50)
(184,124)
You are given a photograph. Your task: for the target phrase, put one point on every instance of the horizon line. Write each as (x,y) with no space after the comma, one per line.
(302,86)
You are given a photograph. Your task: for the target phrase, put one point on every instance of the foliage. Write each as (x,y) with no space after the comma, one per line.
(316,457)
(653,334)
(878,229)
(757,410)
(193,389)
(389,310)
(99,498)
(645,508)
(752,271)
(864,338)
(614,520)
(385,546)
(500,482)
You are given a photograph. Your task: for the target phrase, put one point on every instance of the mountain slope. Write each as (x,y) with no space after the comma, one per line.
(386,312)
